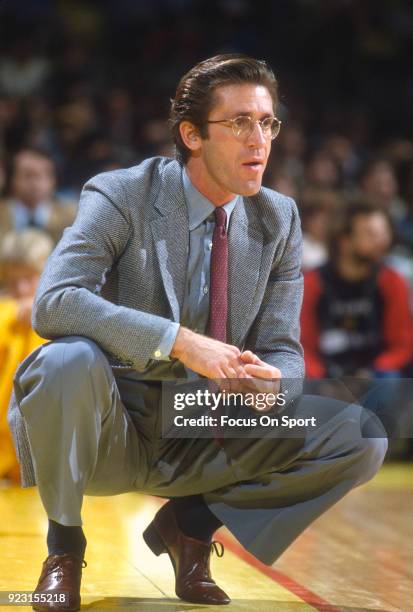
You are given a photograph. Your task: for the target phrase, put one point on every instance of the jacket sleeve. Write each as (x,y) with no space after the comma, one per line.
(310,331)
(397,326)
(275,334)
(68,300)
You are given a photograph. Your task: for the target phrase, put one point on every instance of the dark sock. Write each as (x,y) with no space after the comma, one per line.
(194,518)
(62,539)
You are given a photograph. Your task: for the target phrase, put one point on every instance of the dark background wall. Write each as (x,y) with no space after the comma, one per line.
(343,66)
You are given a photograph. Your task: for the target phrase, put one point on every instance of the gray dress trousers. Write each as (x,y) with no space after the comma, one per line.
(95,430)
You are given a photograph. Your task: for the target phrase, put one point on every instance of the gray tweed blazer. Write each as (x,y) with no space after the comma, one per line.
(118,275)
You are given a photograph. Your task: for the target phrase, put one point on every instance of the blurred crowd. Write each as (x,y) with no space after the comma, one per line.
(85,88)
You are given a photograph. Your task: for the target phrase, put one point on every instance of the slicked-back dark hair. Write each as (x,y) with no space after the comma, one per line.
(194,97)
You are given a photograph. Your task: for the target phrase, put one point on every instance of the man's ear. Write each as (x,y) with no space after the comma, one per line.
(190,136)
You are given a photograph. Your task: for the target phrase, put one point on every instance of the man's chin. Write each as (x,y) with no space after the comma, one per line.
(251,188)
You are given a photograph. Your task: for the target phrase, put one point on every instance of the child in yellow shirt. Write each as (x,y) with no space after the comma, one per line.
(22,258)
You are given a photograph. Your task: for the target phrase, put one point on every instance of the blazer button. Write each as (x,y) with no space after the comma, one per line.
(157,353)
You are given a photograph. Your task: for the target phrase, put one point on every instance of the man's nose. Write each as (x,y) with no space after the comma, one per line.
(257,136)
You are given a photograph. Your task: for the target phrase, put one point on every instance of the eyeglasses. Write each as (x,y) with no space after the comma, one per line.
(243,126)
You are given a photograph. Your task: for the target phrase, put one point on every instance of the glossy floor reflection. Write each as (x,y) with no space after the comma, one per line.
(358,556)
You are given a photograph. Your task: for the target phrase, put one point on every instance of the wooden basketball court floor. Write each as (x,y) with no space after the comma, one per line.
(358,556)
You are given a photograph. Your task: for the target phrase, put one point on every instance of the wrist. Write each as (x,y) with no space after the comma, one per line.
(182,340)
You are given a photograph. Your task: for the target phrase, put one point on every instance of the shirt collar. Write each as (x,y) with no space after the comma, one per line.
(22,214)
(199,207)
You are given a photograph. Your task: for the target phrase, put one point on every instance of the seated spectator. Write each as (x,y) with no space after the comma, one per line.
(318,208)
(356,318)
(314,222)
(346,156)
(31,201)
(322,171)
(2,176)
(23,72)
(22,257)
(283,182)
(291,151)
(379,186)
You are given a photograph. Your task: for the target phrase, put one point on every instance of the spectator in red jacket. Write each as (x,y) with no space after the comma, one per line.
(356,318)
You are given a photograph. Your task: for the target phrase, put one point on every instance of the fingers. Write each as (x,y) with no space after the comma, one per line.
(216,359)
(233,366)
(253,359)
(230,371)
(262,371)
(250,357)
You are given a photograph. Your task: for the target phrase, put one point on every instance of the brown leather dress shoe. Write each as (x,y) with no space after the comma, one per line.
(59,584)
(189,557)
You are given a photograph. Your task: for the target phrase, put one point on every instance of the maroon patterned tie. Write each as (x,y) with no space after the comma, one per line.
(218,296)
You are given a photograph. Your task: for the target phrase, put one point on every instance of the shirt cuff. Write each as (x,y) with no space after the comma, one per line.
(167,341)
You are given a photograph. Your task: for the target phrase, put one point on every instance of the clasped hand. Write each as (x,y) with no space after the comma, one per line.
(234,370)
(256,378)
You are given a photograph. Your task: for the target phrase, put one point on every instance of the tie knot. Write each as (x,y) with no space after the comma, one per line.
(220,217)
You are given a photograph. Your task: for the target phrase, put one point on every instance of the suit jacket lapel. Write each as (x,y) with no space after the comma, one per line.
(245,259)
(170,230)
(249,256)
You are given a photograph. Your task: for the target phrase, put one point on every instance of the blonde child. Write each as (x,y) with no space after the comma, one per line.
(22,258)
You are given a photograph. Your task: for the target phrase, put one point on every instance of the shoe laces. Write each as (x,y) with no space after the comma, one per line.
(55,566)
(218,547)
